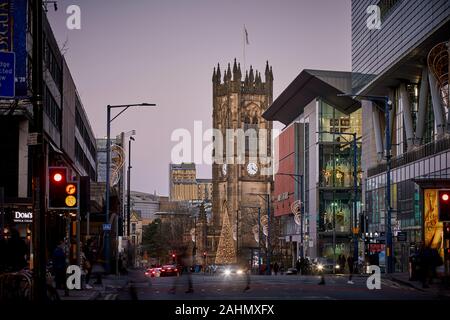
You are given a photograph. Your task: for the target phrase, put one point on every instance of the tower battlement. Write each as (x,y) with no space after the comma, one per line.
(233,80)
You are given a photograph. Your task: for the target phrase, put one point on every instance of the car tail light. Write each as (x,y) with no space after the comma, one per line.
(175,270)
(146,273)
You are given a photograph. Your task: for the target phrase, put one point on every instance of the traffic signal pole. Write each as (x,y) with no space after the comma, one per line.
(39,160)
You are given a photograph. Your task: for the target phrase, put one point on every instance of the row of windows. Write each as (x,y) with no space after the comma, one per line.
(83,131)
(436,166)
(52,63)
(84,161)
(52,109)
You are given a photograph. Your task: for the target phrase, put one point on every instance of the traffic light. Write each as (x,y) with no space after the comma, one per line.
(62,194)
(444,205)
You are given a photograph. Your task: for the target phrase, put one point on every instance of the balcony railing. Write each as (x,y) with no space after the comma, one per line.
(421,152)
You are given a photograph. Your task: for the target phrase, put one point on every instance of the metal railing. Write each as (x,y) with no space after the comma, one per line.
(419,153)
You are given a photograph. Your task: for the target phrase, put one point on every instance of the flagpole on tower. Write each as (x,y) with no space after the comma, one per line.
(245,42)
(243,46)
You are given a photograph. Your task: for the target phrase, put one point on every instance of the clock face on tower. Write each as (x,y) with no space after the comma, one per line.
(224,169)
(252,168)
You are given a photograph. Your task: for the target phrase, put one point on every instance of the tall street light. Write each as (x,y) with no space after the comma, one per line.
(129,186)
(387,108)
(266,197)
(108,160)
(259,235)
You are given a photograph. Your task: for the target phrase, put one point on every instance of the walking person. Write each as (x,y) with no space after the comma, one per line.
(59,265)
(298,266)
(247,278)
(16,252)
(185,263)
(350,263)
(276,268)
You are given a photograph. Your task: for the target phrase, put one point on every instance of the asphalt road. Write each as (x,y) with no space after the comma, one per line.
(282,287)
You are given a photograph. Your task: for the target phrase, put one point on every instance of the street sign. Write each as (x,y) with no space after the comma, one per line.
(7,74)
(107,227)
(401,236)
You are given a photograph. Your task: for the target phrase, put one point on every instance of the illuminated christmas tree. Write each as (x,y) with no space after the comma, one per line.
(226,253)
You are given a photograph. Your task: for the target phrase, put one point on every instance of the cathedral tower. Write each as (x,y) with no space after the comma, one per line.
(238,103)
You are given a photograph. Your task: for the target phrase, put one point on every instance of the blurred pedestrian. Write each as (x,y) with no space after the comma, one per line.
(185,263)
(16,253)
(350,263)
(247,277)
(59,265)
(276,267)
(298,266)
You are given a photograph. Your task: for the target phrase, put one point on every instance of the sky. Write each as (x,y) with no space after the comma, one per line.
(164,52)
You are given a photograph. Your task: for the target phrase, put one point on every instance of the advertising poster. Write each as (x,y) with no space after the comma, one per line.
(432,227)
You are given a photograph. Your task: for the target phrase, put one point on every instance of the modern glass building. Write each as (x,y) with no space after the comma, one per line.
(325,158)
(406,59)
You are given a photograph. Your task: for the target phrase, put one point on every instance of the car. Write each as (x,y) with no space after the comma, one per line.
(324,265)
(291,271)
(169,270)
(153,272)
(230,270)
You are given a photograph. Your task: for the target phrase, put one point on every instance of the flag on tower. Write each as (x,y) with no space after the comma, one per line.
(246,35)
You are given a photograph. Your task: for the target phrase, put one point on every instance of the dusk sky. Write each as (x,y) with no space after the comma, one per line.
(164,52)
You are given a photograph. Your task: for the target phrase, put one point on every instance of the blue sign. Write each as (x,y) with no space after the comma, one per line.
(106,226)
(13,38)
(7,74)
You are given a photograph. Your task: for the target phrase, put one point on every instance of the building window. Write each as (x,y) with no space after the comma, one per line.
(133,228)
(52,109)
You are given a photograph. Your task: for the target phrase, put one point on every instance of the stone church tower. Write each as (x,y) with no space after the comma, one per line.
(239,104)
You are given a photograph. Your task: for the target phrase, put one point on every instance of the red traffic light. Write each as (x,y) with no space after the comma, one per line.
(445,196)
(57,177)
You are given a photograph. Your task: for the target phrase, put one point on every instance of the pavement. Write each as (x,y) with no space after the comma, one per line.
(108,290)
(437,287)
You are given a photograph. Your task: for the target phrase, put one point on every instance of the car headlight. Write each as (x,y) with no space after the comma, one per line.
(337,266)
(239,271)
(227,272)
(320,267)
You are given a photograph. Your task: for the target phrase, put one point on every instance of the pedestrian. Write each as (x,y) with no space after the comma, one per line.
(59,265)
(350,263)
(16,252)
(282,268)
(185,262)
(341,262)
(298,266)
(276,268)
(247,278)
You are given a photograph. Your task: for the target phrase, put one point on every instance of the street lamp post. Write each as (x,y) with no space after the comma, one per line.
(108,163)
(129,186)
(266,197)
(387,108)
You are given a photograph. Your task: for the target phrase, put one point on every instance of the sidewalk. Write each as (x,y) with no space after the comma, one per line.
(437,287)
(110,284)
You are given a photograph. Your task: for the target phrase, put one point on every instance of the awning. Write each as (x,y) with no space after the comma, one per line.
(309,85)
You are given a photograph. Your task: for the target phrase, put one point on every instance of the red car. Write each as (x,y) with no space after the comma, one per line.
(153,272)
(169,270)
